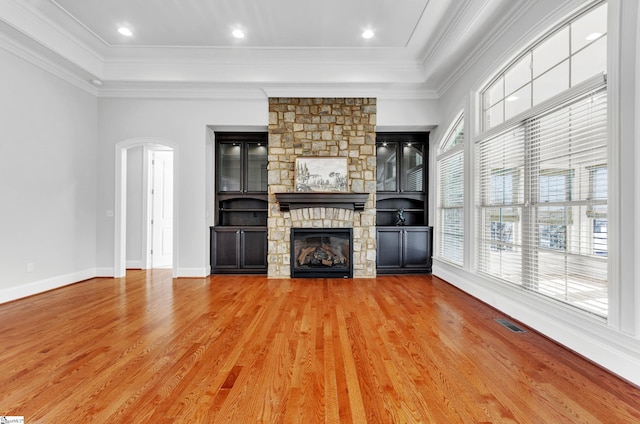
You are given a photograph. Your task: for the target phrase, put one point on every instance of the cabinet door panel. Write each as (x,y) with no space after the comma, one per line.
(254,246)
(227,248)
(416,248)
(412,168)
(389,248)
(256,179)
(387,167)
(229,164)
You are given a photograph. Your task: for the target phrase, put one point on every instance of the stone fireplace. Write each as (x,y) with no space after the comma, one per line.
(323,127)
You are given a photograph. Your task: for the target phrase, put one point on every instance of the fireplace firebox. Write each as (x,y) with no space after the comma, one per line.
(321,252)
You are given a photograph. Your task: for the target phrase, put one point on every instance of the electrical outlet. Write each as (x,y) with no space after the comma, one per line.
(31,266)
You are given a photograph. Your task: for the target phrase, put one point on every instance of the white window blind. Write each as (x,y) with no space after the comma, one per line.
(451,197)
(451,189)
(542,201)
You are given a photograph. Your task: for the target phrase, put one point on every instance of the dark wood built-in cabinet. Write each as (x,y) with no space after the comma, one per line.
(403,237)
(404,249)
(236,249)
(239,238)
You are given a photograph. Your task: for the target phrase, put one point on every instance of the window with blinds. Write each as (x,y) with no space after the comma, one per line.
(450,226)
(541,197)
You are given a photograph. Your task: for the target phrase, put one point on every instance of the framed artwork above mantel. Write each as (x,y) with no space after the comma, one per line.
(321,174)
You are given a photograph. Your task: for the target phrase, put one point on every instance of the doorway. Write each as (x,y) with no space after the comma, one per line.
(160,216)
(167,229)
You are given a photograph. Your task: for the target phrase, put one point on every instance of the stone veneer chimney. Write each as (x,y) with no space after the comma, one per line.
(335,127)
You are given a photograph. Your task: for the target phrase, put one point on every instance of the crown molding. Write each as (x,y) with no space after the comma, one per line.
(181,90)
(25,18)
(261,91)
(446,30)
(265,70)
(484,44)
(36,58)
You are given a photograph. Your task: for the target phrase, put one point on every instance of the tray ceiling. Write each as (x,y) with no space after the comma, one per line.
(307,46)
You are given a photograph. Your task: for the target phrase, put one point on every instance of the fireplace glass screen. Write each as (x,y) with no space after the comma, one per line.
(321,252)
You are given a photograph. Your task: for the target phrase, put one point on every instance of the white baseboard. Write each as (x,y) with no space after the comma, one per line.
(134,264)
(105,272)
(593,339)
(181,272)
(29,289)
(192,272)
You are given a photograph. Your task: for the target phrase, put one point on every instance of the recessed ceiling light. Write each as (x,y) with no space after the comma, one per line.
(594,36)
(367,34)
(238,33)
(125,31)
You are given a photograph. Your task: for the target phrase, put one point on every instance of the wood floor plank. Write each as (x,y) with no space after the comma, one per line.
(229,349)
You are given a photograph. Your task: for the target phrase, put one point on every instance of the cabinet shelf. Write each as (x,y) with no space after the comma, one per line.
(396,209)
(242,210)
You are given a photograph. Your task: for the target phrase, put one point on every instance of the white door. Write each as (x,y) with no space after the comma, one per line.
(162,209)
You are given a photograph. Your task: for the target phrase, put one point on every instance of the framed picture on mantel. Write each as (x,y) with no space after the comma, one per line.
(321,174)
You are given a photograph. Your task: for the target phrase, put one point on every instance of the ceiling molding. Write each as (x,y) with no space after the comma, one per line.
(284,71)
(23,17)
(380,91)
(37,59)
(485,44)
(445,29)
(258,91)
(141,90)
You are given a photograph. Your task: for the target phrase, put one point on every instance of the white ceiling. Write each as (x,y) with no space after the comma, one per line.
(267,24)
(290,46)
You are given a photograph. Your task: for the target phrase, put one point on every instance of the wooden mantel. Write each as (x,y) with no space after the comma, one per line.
(299,200)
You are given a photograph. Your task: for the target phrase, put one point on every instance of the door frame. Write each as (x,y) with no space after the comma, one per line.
(120,209)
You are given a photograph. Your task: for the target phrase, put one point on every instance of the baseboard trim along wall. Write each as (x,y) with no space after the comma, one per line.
(41,286)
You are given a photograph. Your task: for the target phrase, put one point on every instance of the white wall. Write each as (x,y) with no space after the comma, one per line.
(48,139)
(179,121)
(614,343)
(407,114)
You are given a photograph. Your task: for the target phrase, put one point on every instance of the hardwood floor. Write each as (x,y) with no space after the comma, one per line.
(235,349)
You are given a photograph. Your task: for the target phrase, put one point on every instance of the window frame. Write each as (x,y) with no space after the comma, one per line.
(486,105)
(452,146)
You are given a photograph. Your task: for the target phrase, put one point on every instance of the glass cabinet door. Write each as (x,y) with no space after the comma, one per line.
(412,168)
(387,167)
(230,170)
(256,167)
(400,167)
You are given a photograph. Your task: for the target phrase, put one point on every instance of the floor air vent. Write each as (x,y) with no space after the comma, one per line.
(511,326)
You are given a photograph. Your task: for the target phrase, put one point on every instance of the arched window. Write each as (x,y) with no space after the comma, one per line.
(450,165)
(561,59)
(541,167)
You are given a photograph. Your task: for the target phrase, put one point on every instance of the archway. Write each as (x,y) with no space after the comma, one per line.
(120,212)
